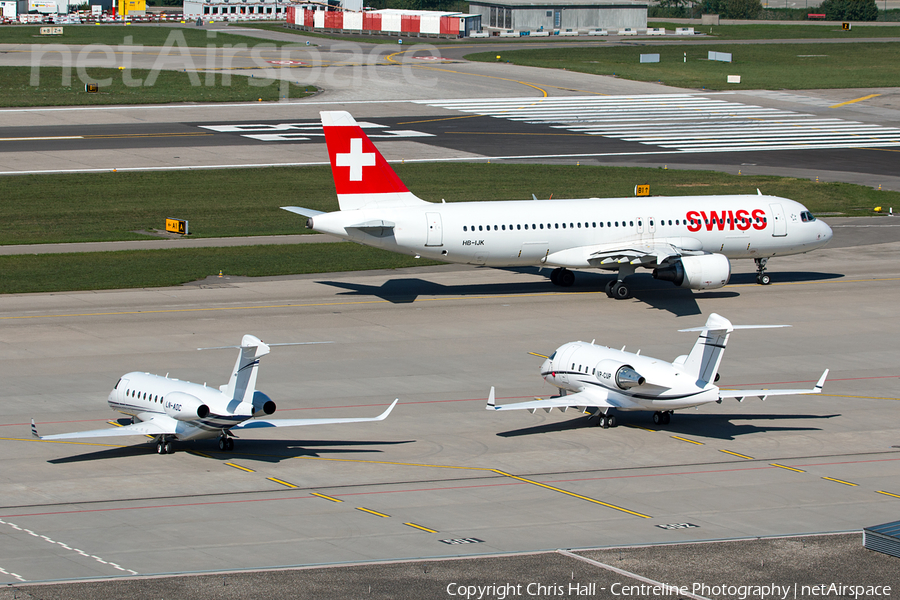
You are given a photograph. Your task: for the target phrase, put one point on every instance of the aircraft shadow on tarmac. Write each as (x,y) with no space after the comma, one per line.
(267,451)
(711,426)
(656,294)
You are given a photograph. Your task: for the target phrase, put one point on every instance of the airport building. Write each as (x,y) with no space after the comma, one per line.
(244,9)
(559,15)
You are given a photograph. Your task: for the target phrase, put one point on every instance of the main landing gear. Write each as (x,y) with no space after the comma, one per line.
(662,417)
(762,278)
(226,444)
(562,277)
(618,289)
(164,445)
(607,421)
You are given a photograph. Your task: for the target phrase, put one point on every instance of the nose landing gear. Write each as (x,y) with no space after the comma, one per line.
(226,444)
(762,278)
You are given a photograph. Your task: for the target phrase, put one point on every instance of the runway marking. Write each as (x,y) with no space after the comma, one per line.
(633,426)
(683,122)
(240,467)
(374,512)
(420,527)
(870,96)
(687,440)
(199,453)
(11,574)
(841,481)
(326,497)
(574,495)
(887,493)
(736,454)
(10,439)
(788,468)
(624,573)
(284,483)
(64,547)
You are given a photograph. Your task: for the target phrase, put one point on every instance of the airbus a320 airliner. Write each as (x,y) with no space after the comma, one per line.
(687,240)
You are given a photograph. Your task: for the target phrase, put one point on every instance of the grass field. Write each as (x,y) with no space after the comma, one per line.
(763,66)
(771,31)
(169,86)
(157,268)
(239,202)
(115,35)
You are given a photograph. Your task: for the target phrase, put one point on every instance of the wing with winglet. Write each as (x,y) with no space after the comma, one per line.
(265,423)
(762,394)
(646,254)
(594,398)
(158,425)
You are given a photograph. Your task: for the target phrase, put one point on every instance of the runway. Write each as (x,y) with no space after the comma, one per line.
(441,468)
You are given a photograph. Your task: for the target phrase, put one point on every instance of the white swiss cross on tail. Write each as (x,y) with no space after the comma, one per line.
(356,159)
(361,175)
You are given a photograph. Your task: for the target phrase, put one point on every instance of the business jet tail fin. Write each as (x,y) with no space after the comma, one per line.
(362,177)
(243,378)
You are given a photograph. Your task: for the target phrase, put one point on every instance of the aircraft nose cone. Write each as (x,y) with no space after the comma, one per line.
(545,368)
(826,232)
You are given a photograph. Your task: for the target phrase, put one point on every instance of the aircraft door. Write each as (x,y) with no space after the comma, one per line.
(435,236)
(564,364)
(779,223)
(121,388)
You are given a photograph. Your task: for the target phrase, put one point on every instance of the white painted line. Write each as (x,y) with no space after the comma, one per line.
(630,575)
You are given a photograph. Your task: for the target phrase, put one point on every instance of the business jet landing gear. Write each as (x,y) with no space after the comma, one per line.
(607,421)
(164,446)
(662,417)
(762,278)
(618,289)
(226,444)
(562,277)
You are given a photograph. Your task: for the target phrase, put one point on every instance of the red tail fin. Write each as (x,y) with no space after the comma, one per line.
(362,177)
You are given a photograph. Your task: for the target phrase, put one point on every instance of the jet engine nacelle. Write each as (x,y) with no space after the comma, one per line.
(262,404)
(184,407)
(706,272)
(624,376)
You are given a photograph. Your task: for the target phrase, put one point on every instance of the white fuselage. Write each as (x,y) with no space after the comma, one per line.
(580,366)
(539,232)
(144,396)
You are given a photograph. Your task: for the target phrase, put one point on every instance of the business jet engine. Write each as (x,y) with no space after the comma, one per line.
(185,407)
(624,376)
(705,272)
(262,404)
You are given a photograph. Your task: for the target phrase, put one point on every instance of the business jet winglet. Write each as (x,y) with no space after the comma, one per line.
(687,240)
(598,380)
(172,410)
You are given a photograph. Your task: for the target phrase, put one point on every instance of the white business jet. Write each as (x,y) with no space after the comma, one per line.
(603,379)
(168,409)
(687,240)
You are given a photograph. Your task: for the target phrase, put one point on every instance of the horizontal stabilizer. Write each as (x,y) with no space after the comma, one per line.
(305,212)
(763,394)
(266,423)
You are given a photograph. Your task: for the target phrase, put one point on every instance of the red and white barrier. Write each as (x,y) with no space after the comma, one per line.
(390,22)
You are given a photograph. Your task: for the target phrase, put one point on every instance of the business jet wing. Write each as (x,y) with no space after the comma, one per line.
(159,425)
(596,398)
(266,423)
(762,394)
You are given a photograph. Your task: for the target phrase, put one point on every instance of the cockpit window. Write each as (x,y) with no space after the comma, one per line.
(552,356)
(807,217)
